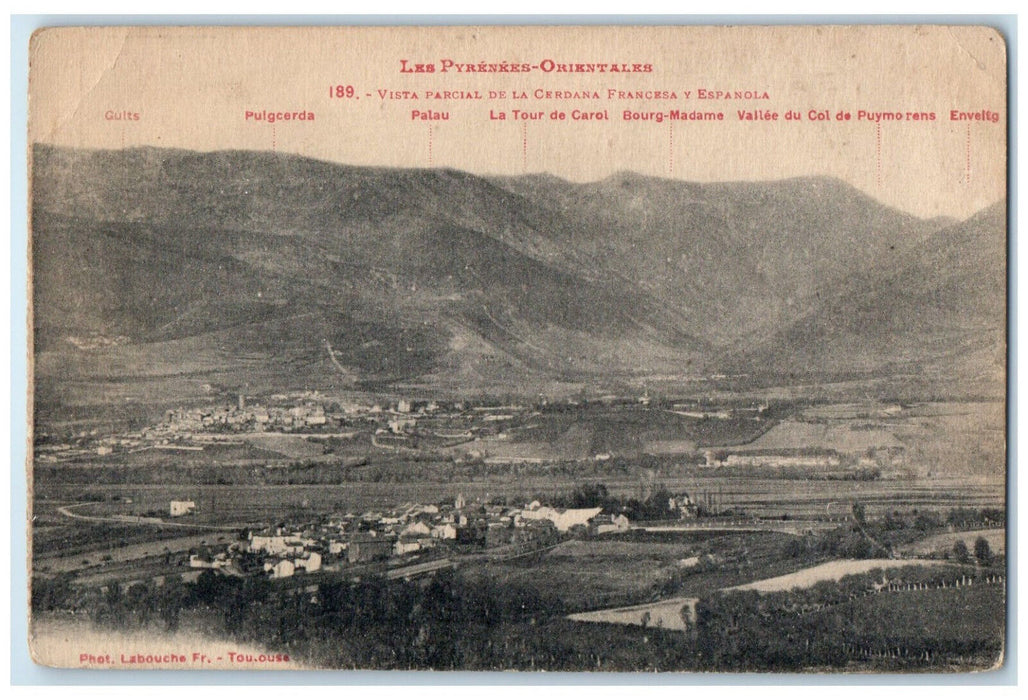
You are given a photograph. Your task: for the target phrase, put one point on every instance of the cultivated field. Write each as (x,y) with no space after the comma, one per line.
(829,571)
(243,503)
(966,625)
(595,573)
(671,614)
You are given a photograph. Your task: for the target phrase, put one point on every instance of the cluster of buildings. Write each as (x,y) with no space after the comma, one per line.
(410,531)
(245,418)
(183,429)
(307,411)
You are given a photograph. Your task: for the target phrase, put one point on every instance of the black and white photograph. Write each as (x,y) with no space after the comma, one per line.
(523,348)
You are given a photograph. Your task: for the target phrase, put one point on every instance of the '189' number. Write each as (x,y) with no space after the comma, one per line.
(340,91)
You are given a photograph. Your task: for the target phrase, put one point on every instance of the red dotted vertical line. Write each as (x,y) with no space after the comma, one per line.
(878,153)
(274,138)
(524,146)
(967,156)
(671,147)
(430,155)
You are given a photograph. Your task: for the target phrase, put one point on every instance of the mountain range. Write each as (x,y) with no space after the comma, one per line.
(157,269)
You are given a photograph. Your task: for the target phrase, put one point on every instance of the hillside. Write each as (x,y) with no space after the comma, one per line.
(735,259)
(938,310)
(155,269)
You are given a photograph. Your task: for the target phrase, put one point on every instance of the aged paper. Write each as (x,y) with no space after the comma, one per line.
(529,348)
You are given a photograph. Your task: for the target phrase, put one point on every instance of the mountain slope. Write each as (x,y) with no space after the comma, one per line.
(286,257)
(735,259)
(939,308)
(239,268)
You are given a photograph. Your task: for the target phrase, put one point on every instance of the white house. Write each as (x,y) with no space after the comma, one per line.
(178,508)
(276,544)
(416,528)
(198,562)
(618,523)
(446,531)
(283,568)
(310,563)
(405,545)
(564,520)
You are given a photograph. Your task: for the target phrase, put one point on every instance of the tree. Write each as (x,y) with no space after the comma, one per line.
(983,552)
(960,552)
(795,548)
(171,598)
(926,521)
(858,513)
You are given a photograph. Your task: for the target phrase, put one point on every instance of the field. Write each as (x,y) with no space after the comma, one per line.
(591,574)
(668,614)
(966,625)
(671,447)
(943,614)
(239,503)
(640,568)
(291,446)
(844,436)
(616,430)
(829,571)
(62,536)
(71,561)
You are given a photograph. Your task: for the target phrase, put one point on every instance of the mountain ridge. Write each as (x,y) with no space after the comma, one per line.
(461,281)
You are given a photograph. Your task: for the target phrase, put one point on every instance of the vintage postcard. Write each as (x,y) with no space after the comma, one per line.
(519,348)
